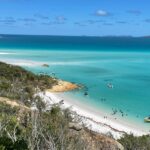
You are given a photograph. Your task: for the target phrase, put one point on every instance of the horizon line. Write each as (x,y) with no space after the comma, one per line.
(131,36)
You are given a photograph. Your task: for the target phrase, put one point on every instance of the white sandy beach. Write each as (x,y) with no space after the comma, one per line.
(92,119)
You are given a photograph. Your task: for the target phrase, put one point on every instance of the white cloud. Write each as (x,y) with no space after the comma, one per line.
(101,13)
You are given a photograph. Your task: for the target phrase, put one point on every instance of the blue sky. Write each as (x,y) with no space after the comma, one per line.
(75,17)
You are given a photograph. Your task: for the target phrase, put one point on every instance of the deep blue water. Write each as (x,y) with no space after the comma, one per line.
(72,43)
(94,62)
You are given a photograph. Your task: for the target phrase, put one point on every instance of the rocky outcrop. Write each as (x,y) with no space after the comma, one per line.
(75,126)
(63,86)
(96,141)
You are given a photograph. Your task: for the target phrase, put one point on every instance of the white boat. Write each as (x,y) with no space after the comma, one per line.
(110,85)
(147,119)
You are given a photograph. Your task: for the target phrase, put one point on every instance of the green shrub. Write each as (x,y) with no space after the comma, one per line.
(7,144)
(131,142)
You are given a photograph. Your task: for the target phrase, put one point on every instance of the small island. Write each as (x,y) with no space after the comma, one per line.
(45,65)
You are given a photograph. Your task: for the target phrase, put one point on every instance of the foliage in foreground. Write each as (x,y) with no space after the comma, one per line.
(33,130)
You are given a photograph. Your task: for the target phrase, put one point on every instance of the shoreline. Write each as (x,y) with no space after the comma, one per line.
(92,119)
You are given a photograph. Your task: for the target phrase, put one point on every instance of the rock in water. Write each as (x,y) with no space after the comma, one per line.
(45,65)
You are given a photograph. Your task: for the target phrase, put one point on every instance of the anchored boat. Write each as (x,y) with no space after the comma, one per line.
(147,119)
(110,85)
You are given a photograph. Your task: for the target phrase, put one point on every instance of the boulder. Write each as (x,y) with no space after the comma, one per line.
(75,126)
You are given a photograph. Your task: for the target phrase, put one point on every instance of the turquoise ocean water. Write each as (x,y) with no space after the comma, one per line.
(94,62)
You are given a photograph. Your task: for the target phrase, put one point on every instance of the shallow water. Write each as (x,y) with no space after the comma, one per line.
(127,71)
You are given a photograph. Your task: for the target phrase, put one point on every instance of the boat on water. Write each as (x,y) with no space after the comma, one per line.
(147,119)
(110,85)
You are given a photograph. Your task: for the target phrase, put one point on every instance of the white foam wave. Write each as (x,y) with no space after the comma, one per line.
(22,62)
(36,63)
(5,53)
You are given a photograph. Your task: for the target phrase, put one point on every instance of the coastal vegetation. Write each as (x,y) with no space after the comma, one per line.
(26,124)
(19,84)
(131,142)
